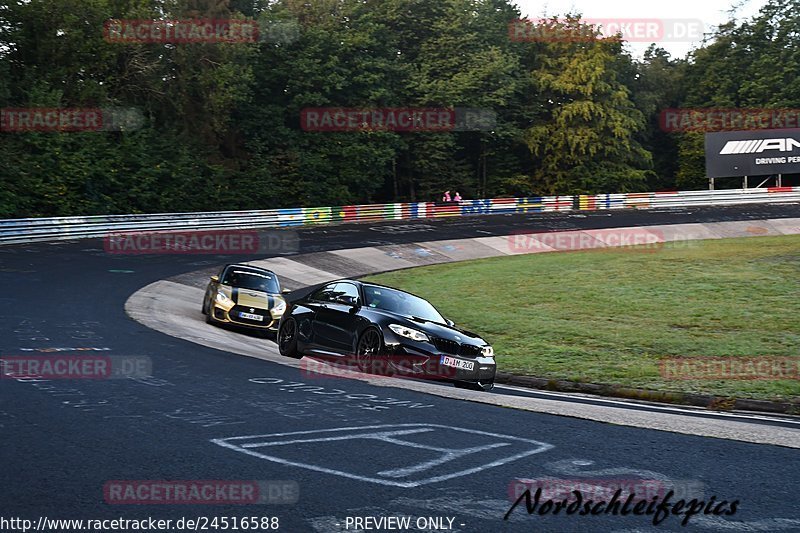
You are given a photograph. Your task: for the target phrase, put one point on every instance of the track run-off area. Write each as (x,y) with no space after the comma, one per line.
(449,459)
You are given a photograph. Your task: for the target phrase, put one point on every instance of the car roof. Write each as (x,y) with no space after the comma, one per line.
(371,284)
(251,268)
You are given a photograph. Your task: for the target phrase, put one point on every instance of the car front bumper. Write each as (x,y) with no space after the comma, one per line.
(422,359)
(231,316)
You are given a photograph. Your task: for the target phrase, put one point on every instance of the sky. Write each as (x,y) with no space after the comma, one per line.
(680,18)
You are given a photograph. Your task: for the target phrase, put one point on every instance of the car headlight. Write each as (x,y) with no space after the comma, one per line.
(223,298)
(408,332)
(487,351)
(279,307)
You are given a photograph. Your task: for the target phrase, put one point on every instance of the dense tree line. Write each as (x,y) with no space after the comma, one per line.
(222,120)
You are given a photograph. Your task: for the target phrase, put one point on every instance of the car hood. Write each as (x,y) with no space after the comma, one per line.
(434,329)
(250,297)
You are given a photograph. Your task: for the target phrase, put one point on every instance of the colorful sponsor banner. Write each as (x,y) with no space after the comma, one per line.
(607,201)
(476,207)
(503,205)
(586,202)
(317,215)
(638,200)
(368,213)
(558,203)
(533,203)
(446,209)
(418,210)
(290,217)
(393,211)
(345,213)
(616,201)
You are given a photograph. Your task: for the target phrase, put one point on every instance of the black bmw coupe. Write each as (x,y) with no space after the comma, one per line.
(385,331)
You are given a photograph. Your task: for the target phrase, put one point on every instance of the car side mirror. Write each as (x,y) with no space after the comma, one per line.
(355,304)
(352,301)
(215,279)
(449,322)
(285,291)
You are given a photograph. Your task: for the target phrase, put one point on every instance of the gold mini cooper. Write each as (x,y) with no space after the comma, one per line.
(244,295)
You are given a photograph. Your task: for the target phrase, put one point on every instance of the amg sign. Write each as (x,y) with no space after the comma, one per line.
(752,153)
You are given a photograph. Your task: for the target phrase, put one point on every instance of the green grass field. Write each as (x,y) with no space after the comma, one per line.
(609,316)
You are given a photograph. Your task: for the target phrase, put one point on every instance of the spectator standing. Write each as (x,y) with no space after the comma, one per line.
(446,197)
(457,197)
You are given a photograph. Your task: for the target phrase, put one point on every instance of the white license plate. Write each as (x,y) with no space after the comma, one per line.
(458,363)
(251,316)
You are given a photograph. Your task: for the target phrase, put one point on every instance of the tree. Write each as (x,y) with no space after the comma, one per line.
(584,136)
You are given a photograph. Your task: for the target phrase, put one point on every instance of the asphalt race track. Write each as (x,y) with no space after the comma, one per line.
(364,451)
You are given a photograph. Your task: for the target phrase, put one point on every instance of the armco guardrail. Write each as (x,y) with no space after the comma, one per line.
(66,228)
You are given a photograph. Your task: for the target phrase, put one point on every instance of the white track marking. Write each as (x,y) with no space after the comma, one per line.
(386,433)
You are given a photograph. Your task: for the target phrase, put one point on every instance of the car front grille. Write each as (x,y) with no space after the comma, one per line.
(446,346)
(469,350)
(455,348)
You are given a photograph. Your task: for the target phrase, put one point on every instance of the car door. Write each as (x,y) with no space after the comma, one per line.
(211,290)
(336,319)
(318,303)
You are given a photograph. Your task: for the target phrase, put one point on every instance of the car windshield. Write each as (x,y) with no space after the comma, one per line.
(255,281)
(401,303)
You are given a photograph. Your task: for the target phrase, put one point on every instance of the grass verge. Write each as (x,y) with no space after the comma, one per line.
(610,316)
